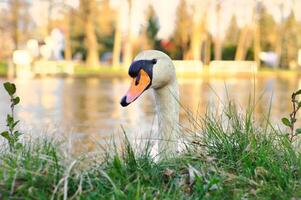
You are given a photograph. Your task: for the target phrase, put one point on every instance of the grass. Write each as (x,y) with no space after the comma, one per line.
(101,70)
(230,158)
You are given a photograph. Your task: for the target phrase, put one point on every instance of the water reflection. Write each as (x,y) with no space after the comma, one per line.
(88,108)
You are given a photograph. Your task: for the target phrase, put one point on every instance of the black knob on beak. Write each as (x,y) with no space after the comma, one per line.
(123,102)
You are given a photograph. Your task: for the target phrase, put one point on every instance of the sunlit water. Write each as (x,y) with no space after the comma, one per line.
(88,109)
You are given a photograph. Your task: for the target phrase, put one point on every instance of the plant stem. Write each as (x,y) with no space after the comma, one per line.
(293,117)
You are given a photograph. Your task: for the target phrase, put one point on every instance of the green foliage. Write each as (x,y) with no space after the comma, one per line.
(153,29)
(250,54)
(268,30)
(31,173)
(106,42)
(11,134)
(231,158)
(228,52)
(286,121)
(10,88)
(258,163)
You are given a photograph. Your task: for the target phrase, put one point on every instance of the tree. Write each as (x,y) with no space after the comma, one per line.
(207,53)
(68,48)
(217,39)
(6,44)
(197,38)
(243,43)
(117,39)
(152,29)
(268,31)
(256,32)
(198,35)
(15,9)
(88,12)
(49,20)
(290,43)
(19,21)
(280,35)
(182,33)
(105,27)
(128,47)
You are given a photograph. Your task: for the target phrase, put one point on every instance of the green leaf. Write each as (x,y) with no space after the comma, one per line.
(286,122)
(18,146)
(10,122)
(16,100)
(10,88)
(15,124)
(9,119)
(298,92)
(6,135)
(298,131)
(17,134)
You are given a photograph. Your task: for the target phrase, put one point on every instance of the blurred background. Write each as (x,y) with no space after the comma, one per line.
(113,31)
(69,58)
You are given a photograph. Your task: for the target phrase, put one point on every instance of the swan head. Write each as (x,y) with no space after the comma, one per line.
(150,69)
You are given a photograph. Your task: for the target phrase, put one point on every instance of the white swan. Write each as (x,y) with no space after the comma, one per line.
(154,69)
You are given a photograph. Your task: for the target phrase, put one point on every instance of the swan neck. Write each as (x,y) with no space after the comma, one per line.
(167,103)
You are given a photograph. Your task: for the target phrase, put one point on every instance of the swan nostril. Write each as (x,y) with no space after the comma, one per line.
(123,102)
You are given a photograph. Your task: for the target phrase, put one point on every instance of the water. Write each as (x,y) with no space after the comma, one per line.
(88,109)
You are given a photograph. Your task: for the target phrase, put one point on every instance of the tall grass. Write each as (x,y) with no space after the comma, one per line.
(229,158)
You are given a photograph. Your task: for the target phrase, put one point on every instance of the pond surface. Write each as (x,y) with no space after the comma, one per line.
(88,109)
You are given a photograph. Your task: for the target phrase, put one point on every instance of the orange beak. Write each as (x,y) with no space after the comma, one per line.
(138,86)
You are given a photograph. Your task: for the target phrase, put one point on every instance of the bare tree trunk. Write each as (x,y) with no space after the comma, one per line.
(217,49)
(207,50)
(242,44)
(128,43)
(279,50)
(68,50)
(257,47)
(279,46)
(128,51)
(15,7)
(197,40)
(15,10)
(198,35)
(92,54)
(91,40)
(256,33)
(49,20)
(117,41)
(186,53)
(217,39)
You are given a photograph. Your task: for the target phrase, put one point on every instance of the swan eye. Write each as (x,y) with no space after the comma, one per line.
(154,61)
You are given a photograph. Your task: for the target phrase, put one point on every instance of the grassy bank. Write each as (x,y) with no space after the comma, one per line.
(3,68)
(105,71)
(81,70)
(120,72)
(230,158)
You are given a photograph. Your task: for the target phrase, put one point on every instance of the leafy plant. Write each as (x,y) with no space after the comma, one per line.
(290,122)
(12,135)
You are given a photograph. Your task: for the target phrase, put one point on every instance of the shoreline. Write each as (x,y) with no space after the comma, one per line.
(198,75)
